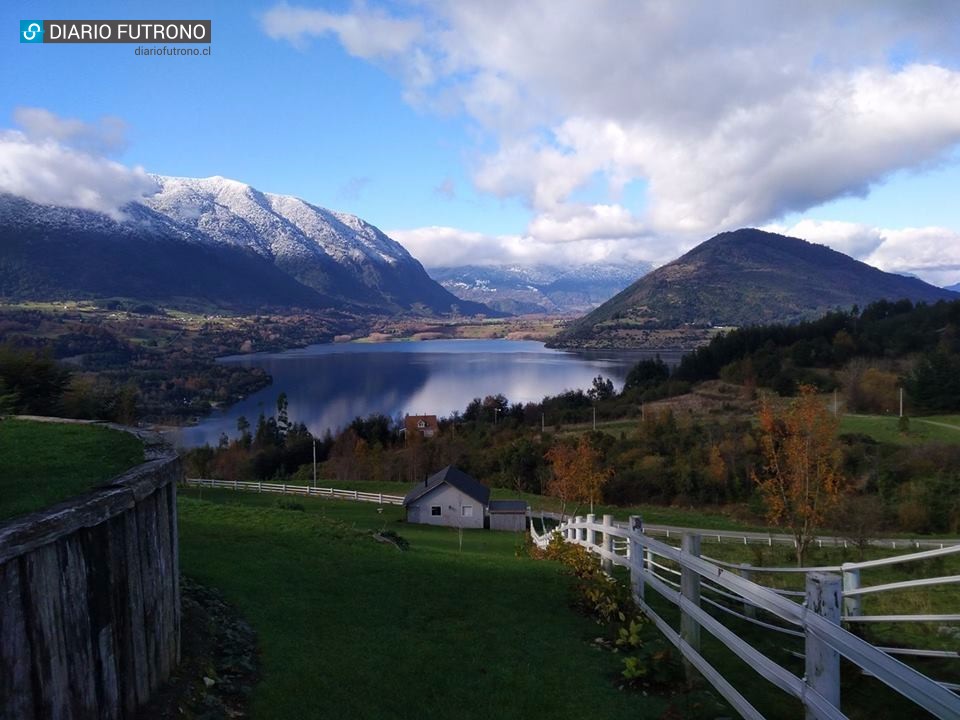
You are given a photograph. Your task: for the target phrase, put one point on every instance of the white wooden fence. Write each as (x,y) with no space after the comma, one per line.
(287,489)
(746,537)
(817,621)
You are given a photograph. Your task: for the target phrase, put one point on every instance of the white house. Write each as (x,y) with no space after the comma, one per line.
(453,498)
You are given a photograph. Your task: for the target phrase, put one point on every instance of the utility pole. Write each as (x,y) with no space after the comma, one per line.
(901,402)
(543,423)
(594,417)
(314,463)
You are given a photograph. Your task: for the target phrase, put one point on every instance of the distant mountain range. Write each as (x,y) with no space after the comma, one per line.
(539,288)
(746,277)
(214,242)
(953,288)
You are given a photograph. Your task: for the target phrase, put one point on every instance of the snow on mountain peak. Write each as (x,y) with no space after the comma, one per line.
(279,226)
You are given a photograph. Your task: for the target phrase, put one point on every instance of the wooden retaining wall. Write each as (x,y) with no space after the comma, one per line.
(90,600)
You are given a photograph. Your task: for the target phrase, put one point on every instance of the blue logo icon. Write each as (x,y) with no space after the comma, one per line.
(31,31)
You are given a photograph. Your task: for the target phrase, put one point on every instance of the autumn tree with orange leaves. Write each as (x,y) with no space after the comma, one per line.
(800,480)
(578,476)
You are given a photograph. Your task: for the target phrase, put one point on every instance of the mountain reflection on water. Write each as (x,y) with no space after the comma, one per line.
(329,385)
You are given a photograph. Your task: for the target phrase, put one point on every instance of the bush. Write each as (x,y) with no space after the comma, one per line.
(285,504)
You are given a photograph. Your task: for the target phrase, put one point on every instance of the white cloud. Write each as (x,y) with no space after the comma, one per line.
(57,161)
(106,136)
(732,113)
(930,253)
(364,33)
(446,246)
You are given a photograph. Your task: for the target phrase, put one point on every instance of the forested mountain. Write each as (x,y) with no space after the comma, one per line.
(742,278)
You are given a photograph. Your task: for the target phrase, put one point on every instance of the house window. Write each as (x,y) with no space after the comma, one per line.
(467,510)
(421,424)
(435,510)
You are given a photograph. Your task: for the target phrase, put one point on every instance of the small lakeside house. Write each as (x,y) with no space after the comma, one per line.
(454,499)
(425,425)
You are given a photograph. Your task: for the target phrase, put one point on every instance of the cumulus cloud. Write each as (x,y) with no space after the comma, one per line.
(449,247)
(930,253)
(731,113)
(364,33)
(61,161)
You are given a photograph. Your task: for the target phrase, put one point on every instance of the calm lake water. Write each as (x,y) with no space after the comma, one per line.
(330,385)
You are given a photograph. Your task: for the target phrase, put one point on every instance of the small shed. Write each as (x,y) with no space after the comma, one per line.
(451,498)
(508,515)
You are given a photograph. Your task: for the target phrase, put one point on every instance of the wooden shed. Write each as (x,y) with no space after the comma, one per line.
(508,515)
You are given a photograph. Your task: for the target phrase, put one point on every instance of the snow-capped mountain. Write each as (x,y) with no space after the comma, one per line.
(539,288)
(281,250)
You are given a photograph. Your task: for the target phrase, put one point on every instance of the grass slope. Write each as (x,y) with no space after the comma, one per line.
(654,514)
(44,463)
(886,429)
(352,628)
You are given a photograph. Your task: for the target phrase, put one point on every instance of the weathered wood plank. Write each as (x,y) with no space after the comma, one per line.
(146,512)
(175,537)
(138,678)
(98,548)
(75,613)
(49,659)
(16,687)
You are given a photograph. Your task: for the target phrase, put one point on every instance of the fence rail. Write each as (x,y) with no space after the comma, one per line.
(818,619)
(747,537)
(287,489)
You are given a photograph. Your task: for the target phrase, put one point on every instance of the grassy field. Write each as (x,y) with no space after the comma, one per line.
(656,514)
(44,463)
(353,628)
(885,429)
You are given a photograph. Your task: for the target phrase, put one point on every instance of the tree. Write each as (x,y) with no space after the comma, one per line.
(602,388)
(647,374)
(578,475)
(800,480)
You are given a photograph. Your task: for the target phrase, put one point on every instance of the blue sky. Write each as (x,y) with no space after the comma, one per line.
(314,123)
(497,132)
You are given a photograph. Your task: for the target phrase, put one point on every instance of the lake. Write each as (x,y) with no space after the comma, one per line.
(329,385)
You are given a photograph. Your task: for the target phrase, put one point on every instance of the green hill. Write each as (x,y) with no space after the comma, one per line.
(746,277)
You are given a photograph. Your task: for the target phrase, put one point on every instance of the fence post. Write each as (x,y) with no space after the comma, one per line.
(579,533)
(607,563)
(380,498)
(591,533)
(747,574)
(690,589)
(851,581)
(822,661)
(259,485)
(635,553)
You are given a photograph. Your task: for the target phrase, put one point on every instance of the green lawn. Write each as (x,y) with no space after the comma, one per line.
(655,514)
(885,429)
(356,629)
(44,463)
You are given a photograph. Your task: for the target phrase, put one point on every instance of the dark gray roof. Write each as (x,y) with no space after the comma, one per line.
(457,478)
(508,506)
